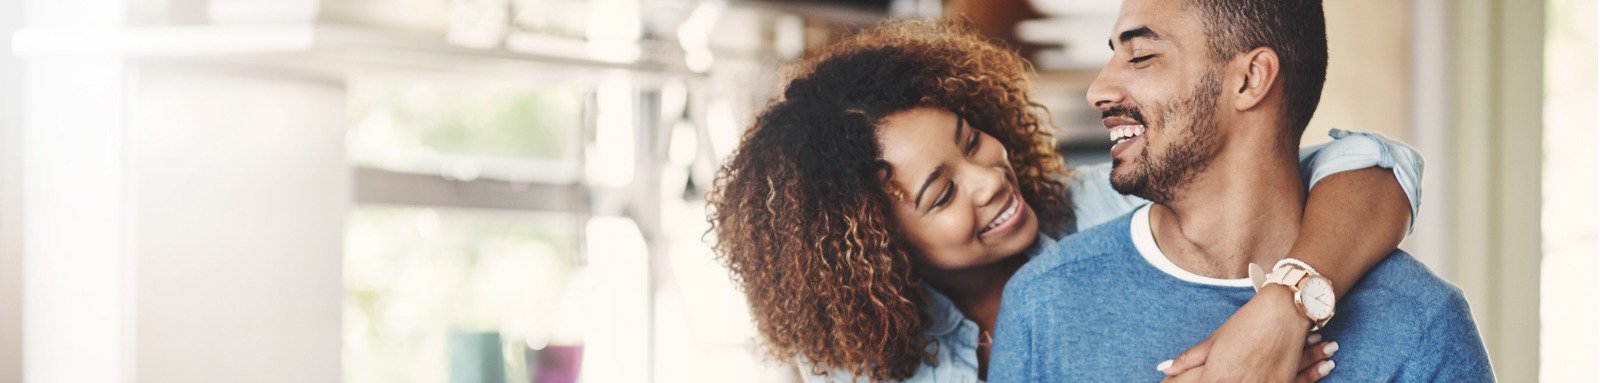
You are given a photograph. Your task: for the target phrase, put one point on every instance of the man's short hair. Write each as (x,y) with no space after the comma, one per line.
(1295,29)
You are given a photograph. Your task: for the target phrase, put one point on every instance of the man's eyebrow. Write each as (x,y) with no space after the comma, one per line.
(931,177)
(1135,33)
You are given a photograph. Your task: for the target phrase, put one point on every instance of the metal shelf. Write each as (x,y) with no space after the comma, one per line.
(377,186)
(334,50)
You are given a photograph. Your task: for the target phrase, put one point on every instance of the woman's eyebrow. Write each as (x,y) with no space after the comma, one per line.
(931,177)
(960,126)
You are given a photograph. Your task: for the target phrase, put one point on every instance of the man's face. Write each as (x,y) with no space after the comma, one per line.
(1158,98)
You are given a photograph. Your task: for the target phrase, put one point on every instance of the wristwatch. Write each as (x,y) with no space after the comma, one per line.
(1313,294)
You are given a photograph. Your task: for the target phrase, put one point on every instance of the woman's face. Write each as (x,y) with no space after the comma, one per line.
(959,204)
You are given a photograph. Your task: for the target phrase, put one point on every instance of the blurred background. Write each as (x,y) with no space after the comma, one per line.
(473,191)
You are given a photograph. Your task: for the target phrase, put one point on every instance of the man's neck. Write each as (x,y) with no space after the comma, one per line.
(1246,204)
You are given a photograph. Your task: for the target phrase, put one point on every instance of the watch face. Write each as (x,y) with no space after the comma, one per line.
(1316,296)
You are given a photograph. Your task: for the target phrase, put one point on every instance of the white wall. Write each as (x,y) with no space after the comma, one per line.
(1368,70)
(180,224)
(240,194)
(1497,159)
(72,186)
(184,224)
(73,233)
(10,199)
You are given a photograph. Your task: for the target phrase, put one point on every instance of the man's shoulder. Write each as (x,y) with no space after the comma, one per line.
(1037,296)
(1080,251)
(1413,324)
(1403,287)
(1403,275)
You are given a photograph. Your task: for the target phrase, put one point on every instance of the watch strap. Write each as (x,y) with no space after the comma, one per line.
(1287,276)
(1292,277)
(1297,263)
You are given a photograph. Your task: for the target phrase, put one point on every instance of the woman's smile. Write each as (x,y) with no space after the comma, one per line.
(1009,219)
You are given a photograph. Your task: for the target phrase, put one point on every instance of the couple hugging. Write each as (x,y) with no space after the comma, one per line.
(900,213)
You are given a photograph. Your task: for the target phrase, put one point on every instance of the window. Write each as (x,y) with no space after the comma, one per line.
(428,290)
(466,130)
(457,266)
(1568,308)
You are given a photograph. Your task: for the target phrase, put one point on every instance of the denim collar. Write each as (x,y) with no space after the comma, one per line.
(946,318)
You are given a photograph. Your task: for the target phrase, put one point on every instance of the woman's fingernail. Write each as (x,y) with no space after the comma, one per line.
(1164,365)
(1331,348)
(1314,338)
(1325,367)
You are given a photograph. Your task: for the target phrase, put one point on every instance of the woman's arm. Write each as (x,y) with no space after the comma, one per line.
(1353,220)
(1094,201)
(1358,210)
(1357,220)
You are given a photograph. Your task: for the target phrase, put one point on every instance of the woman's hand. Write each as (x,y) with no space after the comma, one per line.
(1314,364)
(1265,341)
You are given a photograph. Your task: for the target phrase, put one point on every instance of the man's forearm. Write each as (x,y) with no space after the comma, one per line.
(1352,221)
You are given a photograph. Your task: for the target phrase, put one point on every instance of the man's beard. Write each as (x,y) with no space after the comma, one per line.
(1159,177)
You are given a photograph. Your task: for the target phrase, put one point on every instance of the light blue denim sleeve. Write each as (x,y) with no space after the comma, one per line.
(1095,202)
(828,376)
(1359,150)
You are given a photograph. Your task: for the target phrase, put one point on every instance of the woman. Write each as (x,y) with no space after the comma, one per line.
(852,276)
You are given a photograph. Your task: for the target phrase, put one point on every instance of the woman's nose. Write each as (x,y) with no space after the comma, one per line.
(991,185)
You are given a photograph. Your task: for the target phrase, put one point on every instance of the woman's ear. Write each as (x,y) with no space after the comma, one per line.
(1260,74)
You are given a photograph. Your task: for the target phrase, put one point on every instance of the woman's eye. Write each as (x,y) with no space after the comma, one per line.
(1141,59)
(945,198)
(972,145)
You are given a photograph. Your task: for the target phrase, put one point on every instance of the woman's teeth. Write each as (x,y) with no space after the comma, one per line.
(1126,132)
(1005,216)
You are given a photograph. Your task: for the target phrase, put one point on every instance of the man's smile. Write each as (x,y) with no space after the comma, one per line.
(1124,133)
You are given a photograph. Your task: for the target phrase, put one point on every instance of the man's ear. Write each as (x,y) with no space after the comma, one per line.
(1259,74)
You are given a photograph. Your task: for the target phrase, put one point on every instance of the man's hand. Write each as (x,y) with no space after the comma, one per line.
(1265,341)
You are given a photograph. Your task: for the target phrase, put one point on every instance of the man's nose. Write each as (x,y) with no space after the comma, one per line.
(1106,91)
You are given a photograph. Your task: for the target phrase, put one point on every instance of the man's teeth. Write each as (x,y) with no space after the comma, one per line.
(1006,216)
(1125,132)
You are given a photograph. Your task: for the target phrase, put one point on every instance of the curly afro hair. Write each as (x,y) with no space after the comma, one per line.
(801,211)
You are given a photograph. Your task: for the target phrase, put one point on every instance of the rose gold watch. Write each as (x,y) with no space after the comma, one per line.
(1313,294)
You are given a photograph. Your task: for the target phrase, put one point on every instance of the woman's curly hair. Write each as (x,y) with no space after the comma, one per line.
(801,211)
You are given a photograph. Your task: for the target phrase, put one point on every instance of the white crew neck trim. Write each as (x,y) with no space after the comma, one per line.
(1144,241)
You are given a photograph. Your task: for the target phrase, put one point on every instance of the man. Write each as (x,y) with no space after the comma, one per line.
(1206,101)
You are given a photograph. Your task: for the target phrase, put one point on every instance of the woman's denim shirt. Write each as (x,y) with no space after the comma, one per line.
(1095,202)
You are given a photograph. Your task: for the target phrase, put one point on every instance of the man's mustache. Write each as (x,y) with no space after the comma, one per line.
(1124,112)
